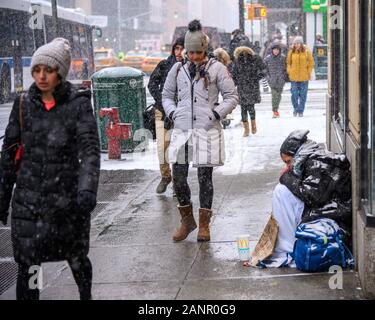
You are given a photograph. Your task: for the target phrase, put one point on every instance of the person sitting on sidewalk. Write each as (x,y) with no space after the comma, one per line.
(163,124)
(315,184)
(197,130)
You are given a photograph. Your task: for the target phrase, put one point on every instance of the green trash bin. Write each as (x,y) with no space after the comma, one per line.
(123,88)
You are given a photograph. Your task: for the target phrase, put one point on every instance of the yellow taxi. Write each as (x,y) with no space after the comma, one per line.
(149,63)
(134,59)
(106,58)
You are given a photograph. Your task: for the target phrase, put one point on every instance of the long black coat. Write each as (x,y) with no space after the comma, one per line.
(324,186)
(61,158)
(248,70)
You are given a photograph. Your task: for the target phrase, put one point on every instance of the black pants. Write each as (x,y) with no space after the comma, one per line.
(181,186)
(82,273)
(248,109)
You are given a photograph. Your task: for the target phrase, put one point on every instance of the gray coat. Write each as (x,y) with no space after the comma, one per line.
(193,115)
(276,71)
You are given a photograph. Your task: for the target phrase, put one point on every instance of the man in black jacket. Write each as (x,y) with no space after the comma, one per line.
(162,123)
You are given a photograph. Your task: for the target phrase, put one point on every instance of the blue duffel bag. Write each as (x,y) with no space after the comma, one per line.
(319,246)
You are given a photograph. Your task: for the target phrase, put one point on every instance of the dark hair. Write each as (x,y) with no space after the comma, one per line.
(179,42)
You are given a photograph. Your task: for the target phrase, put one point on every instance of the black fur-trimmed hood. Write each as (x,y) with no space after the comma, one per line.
(243,50)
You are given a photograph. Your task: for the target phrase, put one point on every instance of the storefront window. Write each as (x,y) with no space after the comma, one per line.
(339,67)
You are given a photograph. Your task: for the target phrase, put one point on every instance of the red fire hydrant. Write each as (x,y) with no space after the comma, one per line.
(115,132)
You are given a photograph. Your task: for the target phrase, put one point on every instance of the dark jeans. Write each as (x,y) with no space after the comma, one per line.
(182,189)
(299,95)
(82,273)
(245,109)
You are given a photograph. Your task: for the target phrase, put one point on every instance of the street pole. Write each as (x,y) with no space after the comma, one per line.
(252,27)
(55,24)
(315,26)
(241,16)
(119,25)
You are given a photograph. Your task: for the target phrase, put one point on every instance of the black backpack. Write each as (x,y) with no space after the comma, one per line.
(149,120)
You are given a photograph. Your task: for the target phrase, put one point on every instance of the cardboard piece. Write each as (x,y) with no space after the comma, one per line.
(266,243)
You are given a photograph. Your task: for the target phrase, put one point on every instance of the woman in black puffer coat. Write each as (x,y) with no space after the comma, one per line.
(57,183)
(248,70)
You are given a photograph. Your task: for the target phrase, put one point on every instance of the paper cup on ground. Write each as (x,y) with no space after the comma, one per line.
(243,242)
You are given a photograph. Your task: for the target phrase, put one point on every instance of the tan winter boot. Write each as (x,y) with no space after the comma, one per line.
(246,128)
(188,223)
(253,126)
(204,225)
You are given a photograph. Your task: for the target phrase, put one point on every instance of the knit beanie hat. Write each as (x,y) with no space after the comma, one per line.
(179,42)
(195,38)
(294,141)
(55,54)
(298,40)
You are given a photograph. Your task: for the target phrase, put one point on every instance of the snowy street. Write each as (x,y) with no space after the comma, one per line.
(132,251)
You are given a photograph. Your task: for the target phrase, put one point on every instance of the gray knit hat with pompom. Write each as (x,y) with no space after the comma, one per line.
(195,38)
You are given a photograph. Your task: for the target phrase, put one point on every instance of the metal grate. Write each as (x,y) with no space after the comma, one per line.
(6,250)
(110,192)
(124,176)
(98,209)
(8,275)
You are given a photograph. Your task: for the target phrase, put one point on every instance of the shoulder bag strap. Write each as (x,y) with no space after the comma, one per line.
(20,115)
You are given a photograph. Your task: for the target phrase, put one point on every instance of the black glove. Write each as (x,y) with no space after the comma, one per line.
(4,212)
(217,116)
(86,201)
(4,218)
(171,116)
(168,123)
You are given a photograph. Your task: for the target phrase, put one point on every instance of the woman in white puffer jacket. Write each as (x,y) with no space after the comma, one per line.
(190,98)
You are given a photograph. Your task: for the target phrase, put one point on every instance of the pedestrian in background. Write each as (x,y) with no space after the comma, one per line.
(239,39)
(197,135)
(276,76)
(300,64)
(248,70)
(57,182)
(257,47)
(319,40)
(222,56)
(162,123)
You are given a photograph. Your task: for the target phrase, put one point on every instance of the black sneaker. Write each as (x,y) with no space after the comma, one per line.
(300,115)
(163,184)
(294,114)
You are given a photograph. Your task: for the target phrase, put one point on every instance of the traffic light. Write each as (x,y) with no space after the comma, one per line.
(256,12)
(250,12)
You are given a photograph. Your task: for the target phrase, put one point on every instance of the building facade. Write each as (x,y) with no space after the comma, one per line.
(350,120)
